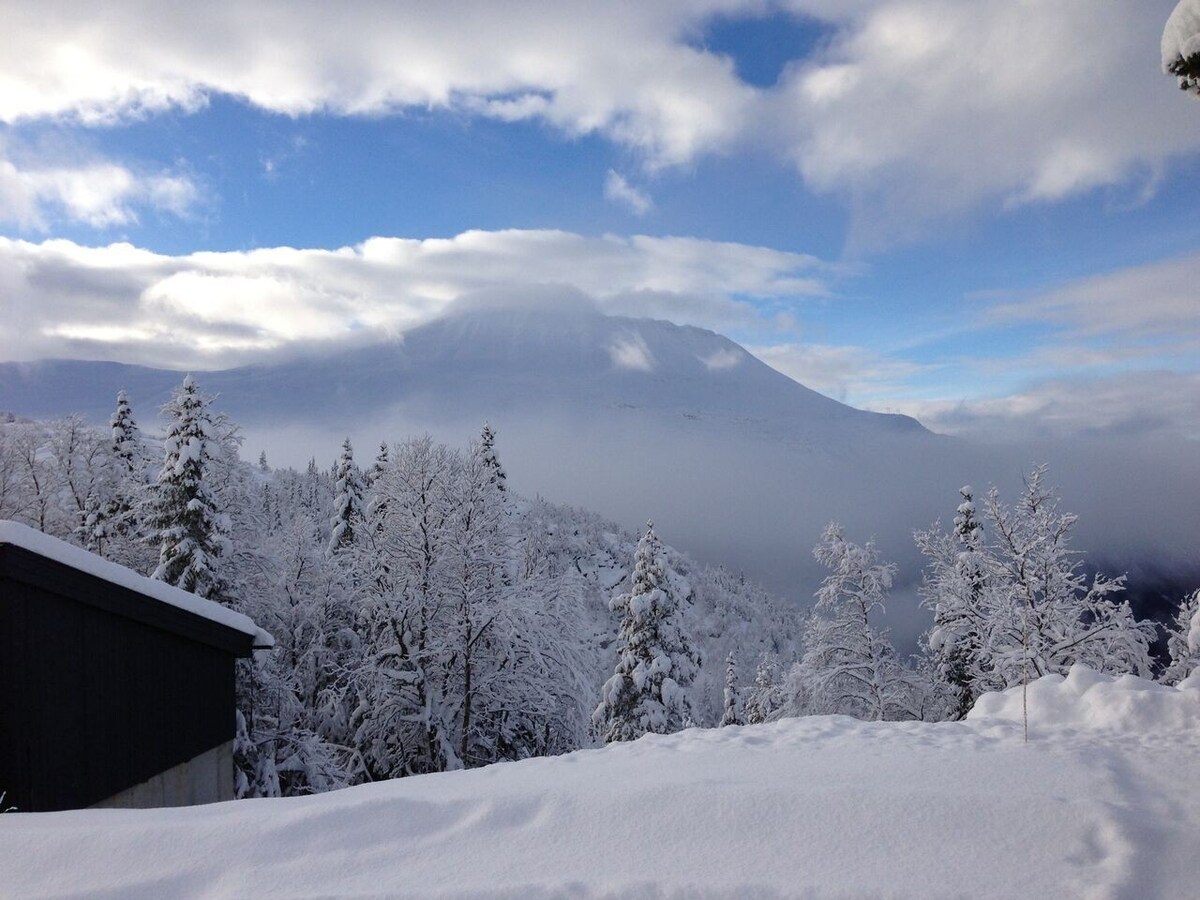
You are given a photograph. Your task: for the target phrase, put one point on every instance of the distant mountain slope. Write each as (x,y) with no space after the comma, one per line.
(485,361)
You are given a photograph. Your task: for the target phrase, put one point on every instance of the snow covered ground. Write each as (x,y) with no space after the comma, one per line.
(1103,802)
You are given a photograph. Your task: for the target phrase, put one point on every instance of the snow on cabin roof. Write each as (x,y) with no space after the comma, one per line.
(89,563)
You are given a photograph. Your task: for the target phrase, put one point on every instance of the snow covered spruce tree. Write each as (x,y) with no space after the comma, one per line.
(954,587)
(848,666)
(487,447)
(184,514)
(1181,45)
(655,659)
(374,498)
(765,698)
(114,526)
(733,711)
(1183,641)
(348,509)
(126,436)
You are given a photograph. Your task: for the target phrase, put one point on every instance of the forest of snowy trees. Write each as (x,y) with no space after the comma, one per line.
(428,618)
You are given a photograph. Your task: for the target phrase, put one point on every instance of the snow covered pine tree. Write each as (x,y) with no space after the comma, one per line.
(115,528)
(953,587)
(348,511)
(733,711)
(184,513)
(655,659)
(765,697)
(487,447)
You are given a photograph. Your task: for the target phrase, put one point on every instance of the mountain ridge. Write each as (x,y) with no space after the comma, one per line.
(482,361)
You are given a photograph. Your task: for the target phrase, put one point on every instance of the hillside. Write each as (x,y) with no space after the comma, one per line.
(640,418)
(1103,802)
(634,418)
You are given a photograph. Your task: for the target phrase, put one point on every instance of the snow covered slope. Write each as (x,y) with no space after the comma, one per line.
(1103,802)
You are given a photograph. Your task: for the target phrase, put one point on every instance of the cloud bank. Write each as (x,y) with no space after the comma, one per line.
(212,310)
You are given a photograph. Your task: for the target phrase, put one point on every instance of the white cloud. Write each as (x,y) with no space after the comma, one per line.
(1116,355)
(213,309)
(725,358)
(1132,320)
(99,194)
(922,109)
(851,374)
(1161,299)
(619,190)
(624,71)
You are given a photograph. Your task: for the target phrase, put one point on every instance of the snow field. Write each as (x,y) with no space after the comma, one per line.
(1103,802)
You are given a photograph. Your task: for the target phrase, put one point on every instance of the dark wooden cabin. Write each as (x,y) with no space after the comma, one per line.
(115,690)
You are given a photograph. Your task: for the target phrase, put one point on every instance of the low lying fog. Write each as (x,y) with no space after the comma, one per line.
(759,509)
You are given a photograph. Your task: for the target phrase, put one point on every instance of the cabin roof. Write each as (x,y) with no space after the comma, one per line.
(89,564)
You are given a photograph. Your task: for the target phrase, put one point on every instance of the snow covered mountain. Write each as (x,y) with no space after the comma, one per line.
(548,355)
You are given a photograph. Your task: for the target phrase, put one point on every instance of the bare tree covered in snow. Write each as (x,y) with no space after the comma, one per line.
(848,666)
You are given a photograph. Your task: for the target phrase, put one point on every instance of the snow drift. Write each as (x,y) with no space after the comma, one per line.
(1103,802)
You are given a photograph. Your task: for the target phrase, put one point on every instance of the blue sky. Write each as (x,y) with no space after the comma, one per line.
(981,213)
